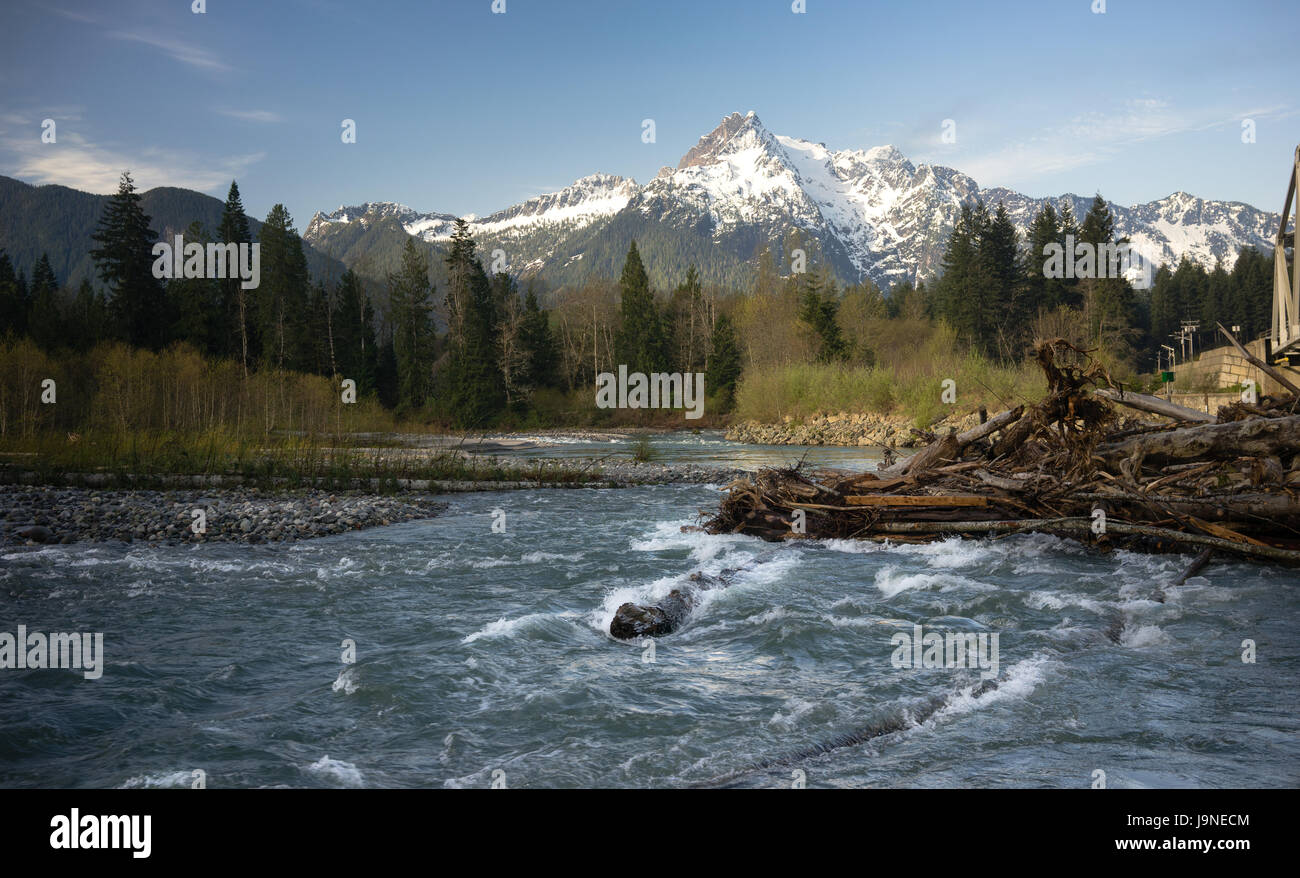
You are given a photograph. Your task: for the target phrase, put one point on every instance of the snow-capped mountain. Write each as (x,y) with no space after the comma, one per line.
(872,212)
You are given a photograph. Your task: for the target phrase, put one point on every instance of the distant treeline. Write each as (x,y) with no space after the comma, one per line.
(479,352)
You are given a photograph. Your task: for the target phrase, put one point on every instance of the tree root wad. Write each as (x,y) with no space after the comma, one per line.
(1069,465)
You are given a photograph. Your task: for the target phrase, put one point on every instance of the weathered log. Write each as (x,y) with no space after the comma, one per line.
(1195,568)
(1278,508)
(943,450)
(1156,406)
(950,447)
(1079,525)
(992,425)
(1020,482)
(941,500)
(1255,436)
(1015,435)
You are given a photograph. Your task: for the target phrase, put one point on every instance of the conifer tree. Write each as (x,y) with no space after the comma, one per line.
(196,302)
(282,294)
(87,317)
(13,305)
(1042,292)
(1005,310)
(960,290)
(236,325)
(543,355)
(724,362)
(411,294)
(45,322)
(352,327)
(818,307)
(125,261)
(640,342)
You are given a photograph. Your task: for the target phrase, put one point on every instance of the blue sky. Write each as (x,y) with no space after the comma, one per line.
(461,110)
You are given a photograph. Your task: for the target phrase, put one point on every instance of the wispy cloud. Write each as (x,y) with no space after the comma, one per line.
(179,50)
(76,162)
(1088,138)
(186,53)
(74,16)
(251,115)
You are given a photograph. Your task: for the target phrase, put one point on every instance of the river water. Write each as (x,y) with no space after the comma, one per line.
(483,657)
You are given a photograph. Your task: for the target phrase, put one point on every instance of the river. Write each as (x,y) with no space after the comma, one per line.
(483,657)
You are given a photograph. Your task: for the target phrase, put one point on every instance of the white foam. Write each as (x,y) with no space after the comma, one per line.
(891,582)
(336,769)
(510,627)
(1018,682)
(347,681)
(539,557)
(500,628)
(168,780)
(795,710)
(1146,635)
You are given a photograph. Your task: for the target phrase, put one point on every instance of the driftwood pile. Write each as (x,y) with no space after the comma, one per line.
(1070,465)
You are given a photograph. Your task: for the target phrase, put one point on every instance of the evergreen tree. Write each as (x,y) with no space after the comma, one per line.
(45,321)
(1098,225)
(818,306)
(13,305)
(543,355)
(352,326)
(320,332)
(724,362)
(282,295)
(639,343)
(1071,294)
(125,261)
(412,314)
(236,324)
(87,316)
(1042,292)
(474,385)
(1007,311)
(962,291)
(196,302)
(386,374)
(1110,304)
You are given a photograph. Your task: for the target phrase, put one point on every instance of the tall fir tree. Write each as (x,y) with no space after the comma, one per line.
(818,307)
(410,293)
(236,324)
(1005,301)
(543,355)
(45,321)
(196,303)
(282,294)
(13,305)
(724,362)
(640,341)
(124,257)
(352,324)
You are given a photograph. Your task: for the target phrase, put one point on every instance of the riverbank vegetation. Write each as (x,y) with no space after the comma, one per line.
(492,351)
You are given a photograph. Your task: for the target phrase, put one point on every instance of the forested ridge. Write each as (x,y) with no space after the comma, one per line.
(441,341)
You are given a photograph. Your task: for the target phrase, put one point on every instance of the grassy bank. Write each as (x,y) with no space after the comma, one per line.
(911,386)
(290,461)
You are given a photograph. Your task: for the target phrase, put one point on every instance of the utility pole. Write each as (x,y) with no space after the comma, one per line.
(1189,330)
